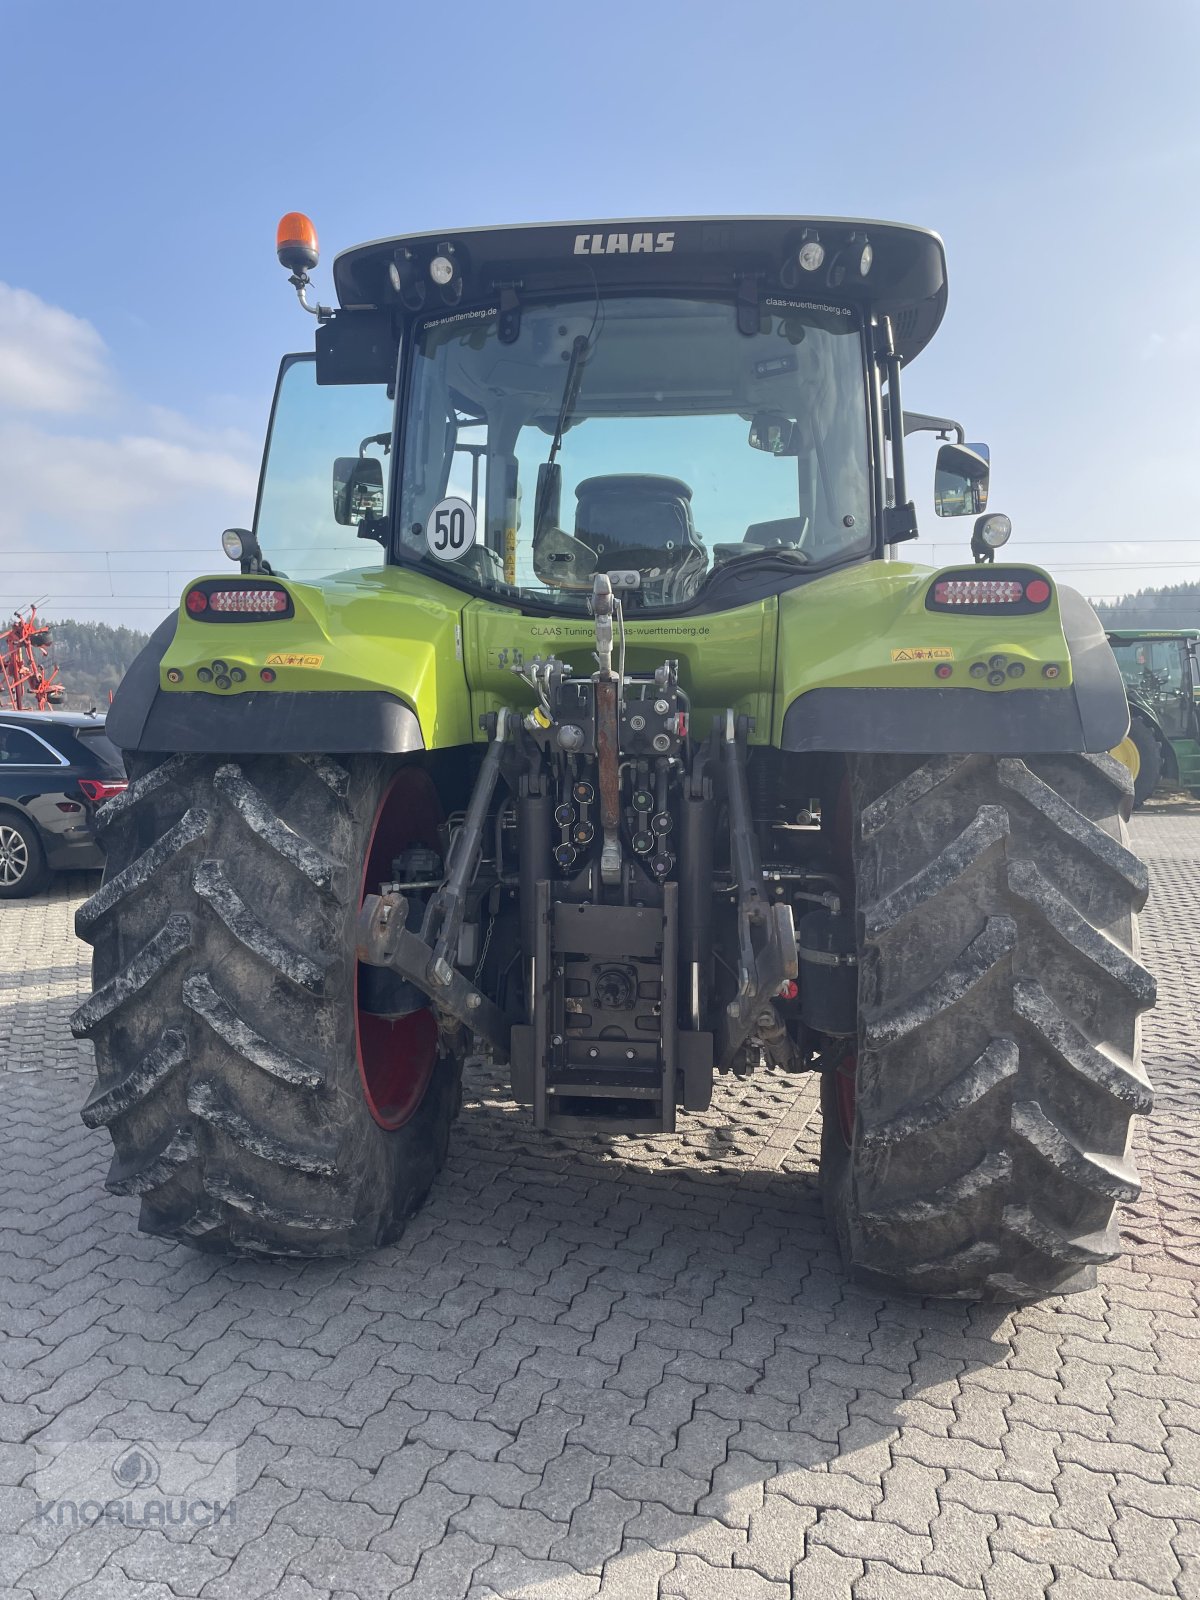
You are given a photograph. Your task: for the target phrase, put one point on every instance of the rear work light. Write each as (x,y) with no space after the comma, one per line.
(1017,590)
(219,600)
(99,790)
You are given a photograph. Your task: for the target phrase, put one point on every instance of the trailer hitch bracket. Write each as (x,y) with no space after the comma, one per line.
(385,940)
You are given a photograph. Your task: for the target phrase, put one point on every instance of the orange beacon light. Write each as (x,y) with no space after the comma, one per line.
(296,243)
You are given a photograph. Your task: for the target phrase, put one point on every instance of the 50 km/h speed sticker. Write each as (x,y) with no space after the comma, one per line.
(450,531)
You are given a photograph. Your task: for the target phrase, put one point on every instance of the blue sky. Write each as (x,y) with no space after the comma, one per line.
(147,151)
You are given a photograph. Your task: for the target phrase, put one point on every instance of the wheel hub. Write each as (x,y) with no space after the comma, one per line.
(14,856)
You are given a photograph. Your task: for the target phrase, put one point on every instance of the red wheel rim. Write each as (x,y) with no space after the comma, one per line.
(396,1058)
(845,1088)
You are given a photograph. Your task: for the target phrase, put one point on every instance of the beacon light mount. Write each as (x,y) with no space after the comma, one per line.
(296,247)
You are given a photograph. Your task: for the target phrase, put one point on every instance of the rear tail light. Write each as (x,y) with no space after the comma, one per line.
(214,600)
(98,790)
(1017,590)
(973,591)
(260,600)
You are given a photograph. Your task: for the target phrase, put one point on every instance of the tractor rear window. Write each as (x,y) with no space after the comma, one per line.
(1150,665)
(637,435)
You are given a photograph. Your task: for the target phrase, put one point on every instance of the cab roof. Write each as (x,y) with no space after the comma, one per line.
(906,281)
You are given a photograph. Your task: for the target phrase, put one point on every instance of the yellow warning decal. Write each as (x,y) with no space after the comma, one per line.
(282,658)
(924,652)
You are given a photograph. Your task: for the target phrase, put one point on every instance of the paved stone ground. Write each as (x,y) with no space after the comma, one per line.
(604,1367)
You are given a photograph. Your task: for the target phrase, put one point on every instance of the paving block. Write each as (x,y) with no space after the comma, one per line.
(693,1579)
(871,1541)
(822,1573)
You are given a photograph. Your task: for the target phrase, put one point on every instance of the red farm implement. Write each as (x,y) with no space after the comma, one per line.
(25,682)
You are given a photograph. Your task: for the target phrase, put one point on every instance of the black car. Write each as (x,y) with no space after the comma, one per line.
(56,768)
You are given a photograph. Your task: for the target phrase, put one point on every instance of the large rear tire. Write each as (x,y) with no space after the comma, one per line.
(252,1107)
(977,1142)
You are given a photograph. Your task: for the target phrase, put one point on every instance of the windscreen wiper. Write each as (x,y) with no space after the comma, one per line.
(549,473)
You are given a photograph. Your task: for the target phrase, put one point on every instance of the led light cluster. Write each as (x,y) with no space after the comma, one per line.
(268,600)
(978,591)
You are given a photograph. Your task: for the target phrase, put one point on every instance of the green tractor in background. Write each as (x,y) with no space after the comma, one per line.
(631,752)
(1158,666)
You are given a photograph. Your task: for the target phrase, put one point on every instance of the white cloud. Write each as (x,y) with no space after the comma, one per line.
(1180,343)
(169,424)
(50,360)
(93,484)
(104,496)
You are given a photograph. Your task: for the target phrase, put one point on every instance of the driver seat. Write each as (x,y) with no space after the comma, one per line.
(637,519)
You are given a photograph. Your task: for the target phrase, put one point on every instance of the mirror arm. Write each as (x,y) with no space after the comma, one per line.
(374,528)
(900,523)
(920,422)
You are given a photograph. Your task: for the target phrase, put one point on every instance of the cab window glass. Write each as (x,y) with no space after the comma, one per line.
(625,433)
(313,426)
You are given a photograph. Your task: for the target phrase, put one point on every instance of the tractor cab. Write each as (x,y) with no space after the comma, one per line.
(705,411)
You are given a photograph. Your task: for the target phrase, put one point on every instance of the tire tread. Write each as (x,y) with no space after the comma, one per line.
(1000,987)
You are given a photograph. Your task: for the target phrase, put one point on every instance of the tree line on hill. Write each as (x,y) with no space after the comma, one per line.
(91,658)
(1176,605)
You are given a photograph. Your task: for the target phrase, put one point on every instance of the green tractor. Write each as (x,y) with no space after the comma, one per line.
(1159,669)
(630,752)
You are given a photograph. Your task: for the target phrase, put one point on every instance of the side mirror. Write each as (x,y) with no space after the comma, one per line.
(960,481)
(357,489)
(773,432)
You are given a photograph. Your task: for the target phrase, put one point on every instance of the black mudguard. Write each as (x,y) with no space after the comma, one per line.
(1092,716)
(262,722)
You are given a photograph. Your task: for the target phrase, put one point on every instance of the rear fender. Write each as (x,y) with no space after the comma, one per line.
(280,722)
(370,661)
(876,688)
